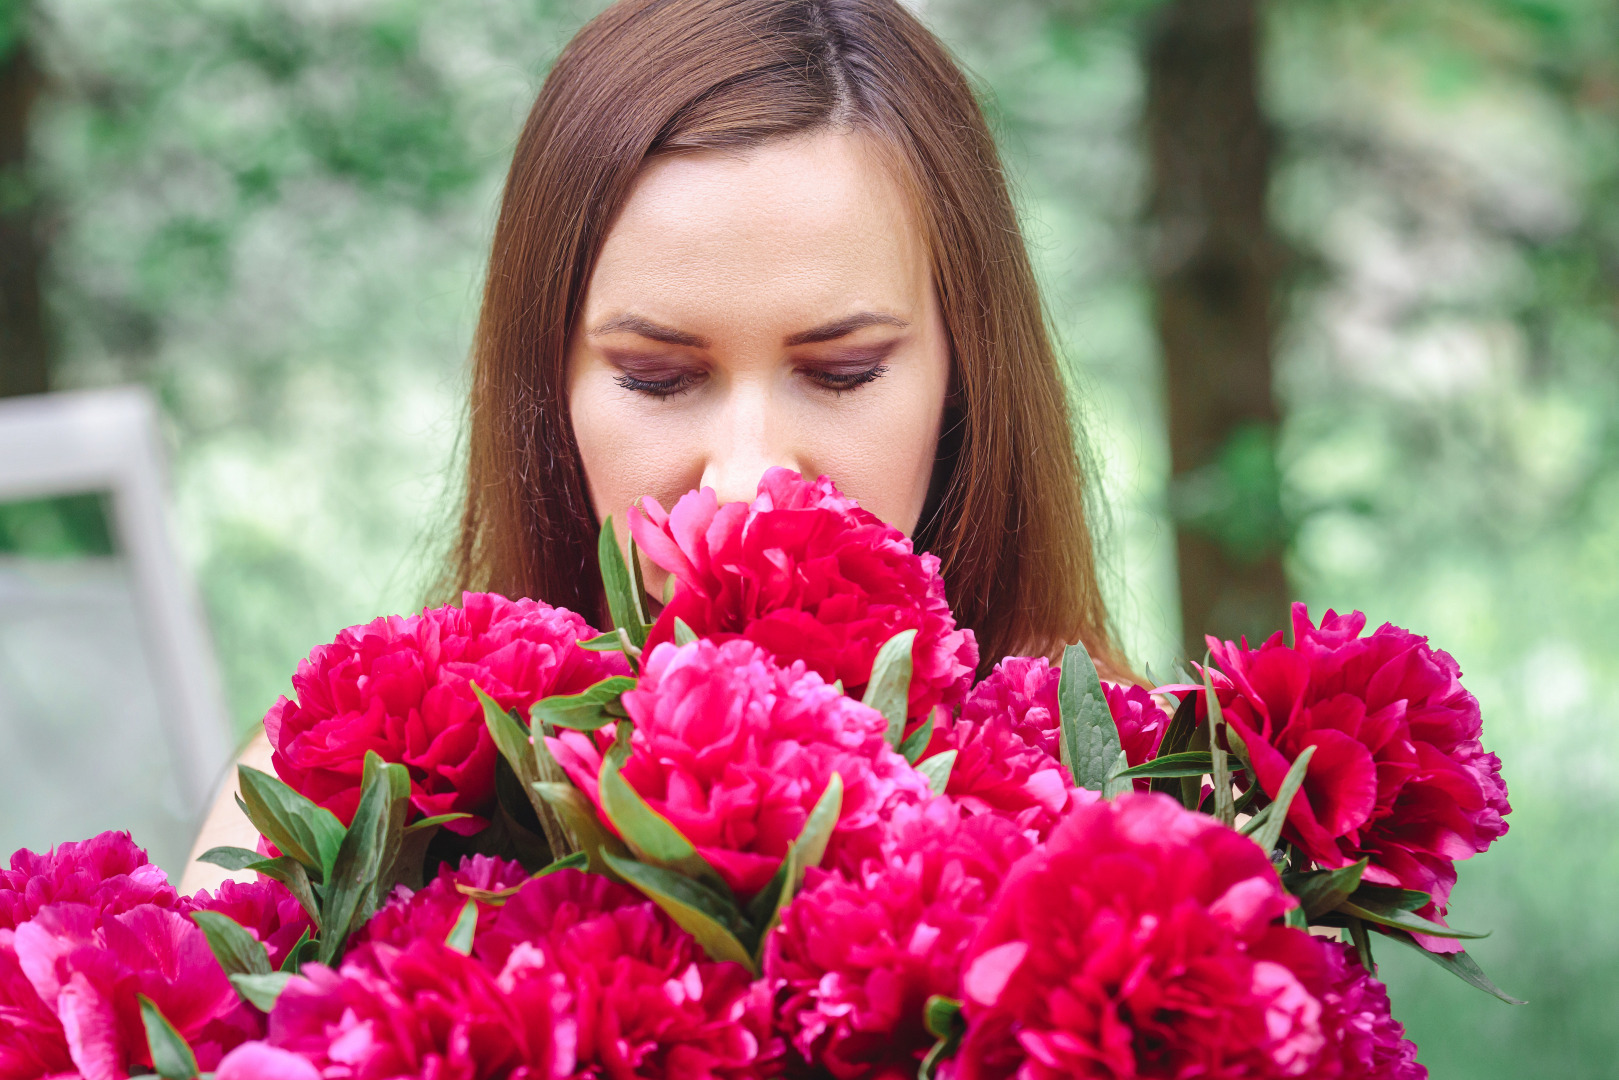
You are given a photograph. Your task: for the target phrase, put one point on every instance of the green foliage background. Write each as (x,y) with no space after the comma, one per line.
(274,212)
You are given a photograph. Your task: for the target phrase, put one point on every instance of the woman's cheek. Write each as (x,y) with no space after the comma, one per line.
(632,447)
(882,454)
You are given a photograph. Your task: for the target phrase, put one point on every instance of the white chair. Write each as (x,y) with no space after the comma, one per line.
(111,715)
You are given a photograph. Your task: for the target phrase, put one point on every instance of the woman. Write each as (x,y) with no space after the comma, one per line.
(745,233)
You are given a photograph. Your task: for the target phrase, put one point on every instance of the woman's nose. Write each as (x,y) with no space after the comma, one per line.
(749,435)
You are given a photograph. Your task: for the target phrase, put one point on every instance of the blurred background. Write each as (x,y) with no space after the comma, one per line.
(1337,280)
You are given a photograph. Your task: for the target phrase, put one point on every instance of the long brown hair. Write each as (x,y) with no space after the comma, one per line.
(1006,514)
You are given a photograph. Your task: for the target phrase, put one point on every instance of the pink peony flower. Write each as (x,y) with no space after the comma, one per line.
(1139,942)
(736,750)
(858,956)
(259,1061)
(107,872)
(1398,776)
(87,971)
(575,977)
(808,575)
(431,911)
(32,1043)
(265,908)
(1006,738)
(402,687)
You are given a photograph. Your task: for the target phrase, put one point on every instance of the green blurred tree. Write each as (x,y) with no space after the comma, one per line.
(25,344)
(1216,271)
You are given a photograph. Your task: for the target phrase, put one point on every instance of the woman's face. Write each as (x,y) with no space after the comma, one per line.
(774,307)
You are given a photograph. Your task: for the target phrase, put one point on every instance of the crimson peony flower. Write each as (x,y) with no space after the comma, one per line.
(1141,722)
(857,956)
(1368,1043)
(735,750)
(575,977)
(265,908)
(647,1001)
(423,1010)
(807,574)
(402,687)
(107,872)
(431,911)
(1398,776)
(1007,743)
(1138,941)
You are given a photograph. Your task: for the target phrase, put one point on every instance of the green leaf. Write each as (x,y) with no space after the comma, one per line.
(397,778)
(547,771)
(301,950)
(1182,725)
(1362,942)
(817,831)
(651,836)
(433,822)
(889,688)
(1459,964)
(1224,808)
(577,813)
(1405,920)
(1320,891)
(588,710)
(231,858)
(1116,783)
(622,602)
(1386,896)
(805,851)
(1269,831)
(291,873)
(1188,763)
(466,924)
(1089,741)
(608,642)
(509,737)
(237,951)
(1178,738)
(576,861)
(704,914)
(261,991)
(171,1054)
(943,1019)
(350,894)
(295,825)
(684,635)
(937,770)
(914,745)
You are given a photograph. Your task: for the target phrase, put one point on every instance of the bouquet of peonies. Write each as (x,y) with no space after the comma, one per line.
(778,831)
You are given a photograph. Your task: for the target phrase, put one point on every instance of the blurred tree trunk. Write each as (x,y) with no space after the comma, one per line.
(24,341)
(1215,269)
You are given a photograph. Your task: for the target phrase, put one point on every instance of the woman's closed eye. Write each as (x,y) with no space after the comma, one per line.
(843,380)
(661,386)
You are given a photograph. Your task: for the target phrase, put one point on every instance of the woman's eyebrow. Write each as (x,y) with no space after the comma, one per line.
(644,327)
(841,327)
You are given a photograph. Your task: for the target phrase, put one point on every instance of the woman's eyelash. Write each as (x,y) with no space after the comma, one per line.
(669,387)
(842,381)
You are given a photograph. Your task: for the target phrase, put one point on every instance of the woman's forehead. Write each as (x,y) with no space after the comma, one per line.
(793,228)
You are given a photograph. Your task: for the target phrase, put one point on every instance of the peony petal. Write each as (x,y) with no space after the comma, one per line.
(259,1061)
(986,979)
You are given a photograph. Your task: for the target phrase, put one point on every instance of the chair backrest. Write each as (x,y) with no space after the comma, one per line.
(111,714)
